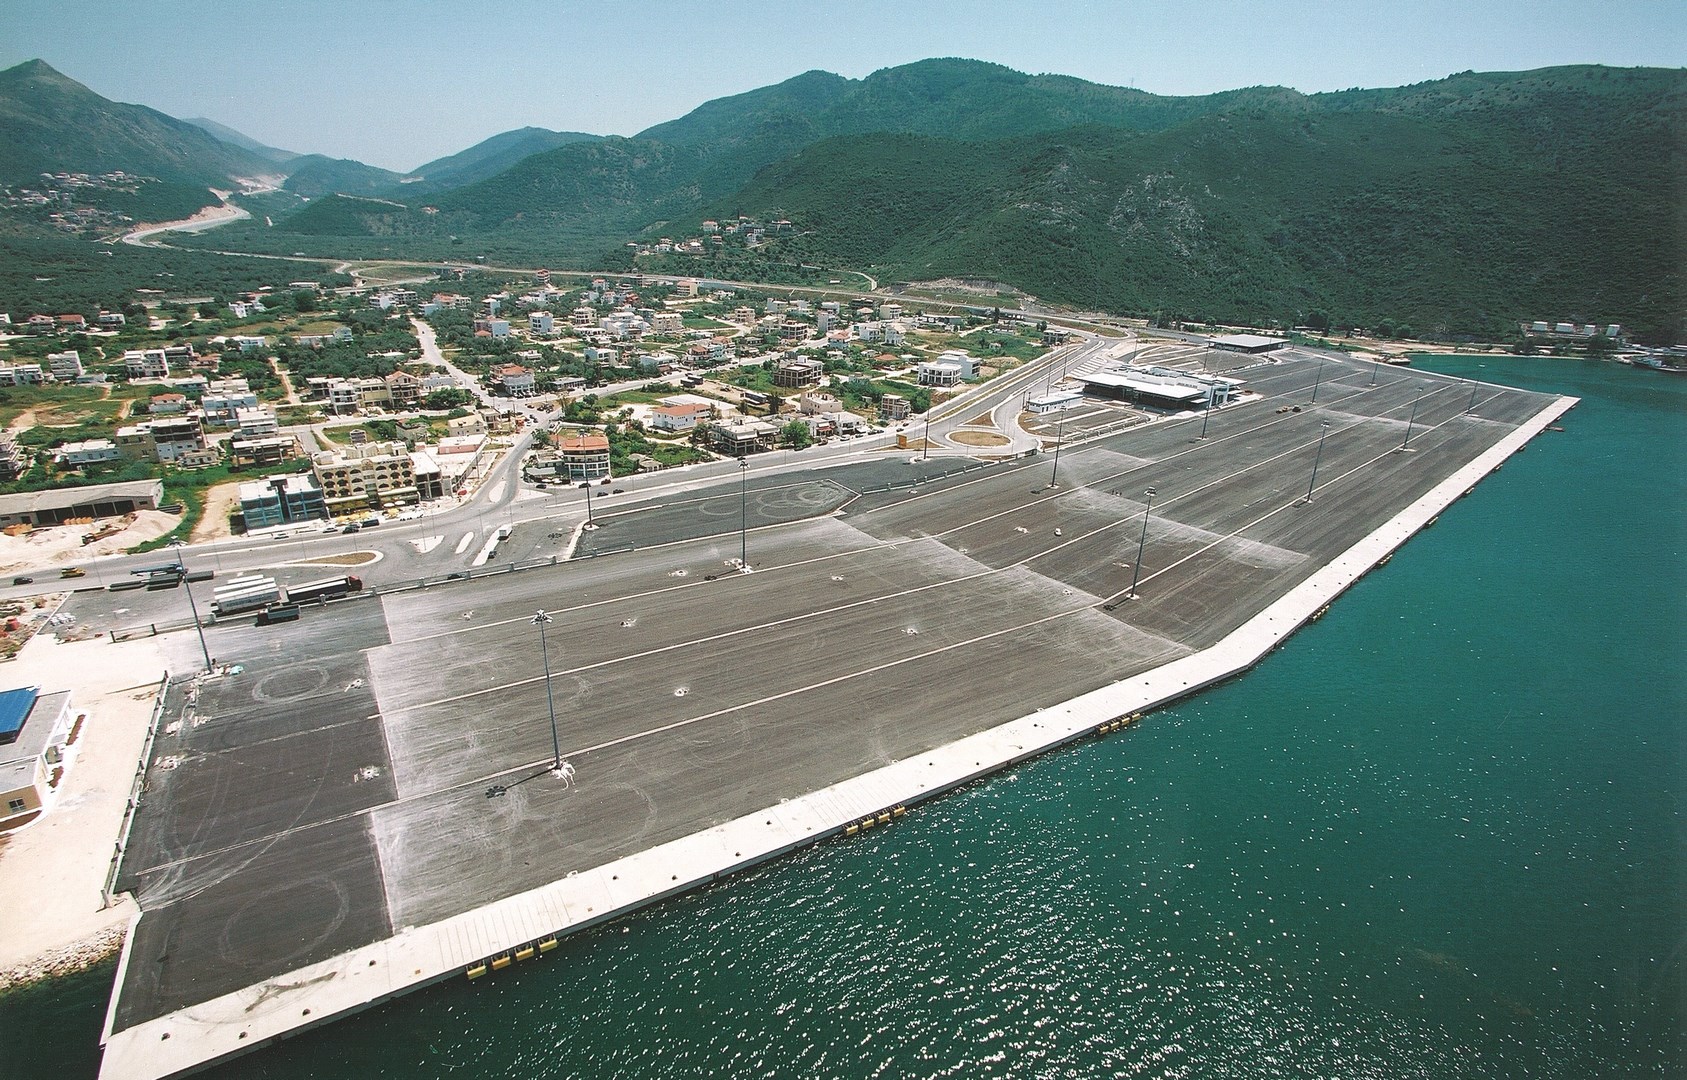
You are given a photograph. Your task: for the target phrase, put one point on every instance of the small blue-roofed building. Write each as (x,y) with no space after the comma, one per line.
(35,731)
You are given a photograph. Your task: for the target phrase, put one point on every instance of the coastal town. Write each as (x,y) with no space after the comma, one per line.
(308,403)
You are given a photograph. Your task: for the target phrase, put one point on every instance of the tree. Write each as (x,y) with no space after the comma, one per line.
(449,398)
(304,300)
(796,434)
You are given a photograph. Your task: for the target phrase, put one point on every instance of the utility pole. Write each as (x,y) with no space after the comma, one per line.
(1136,571)
(542,620)
(193,607)
(1316,459)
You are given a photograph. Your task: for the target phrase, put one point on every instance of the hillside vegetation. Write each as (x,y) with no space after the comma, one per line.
(1454,207)
(50,123)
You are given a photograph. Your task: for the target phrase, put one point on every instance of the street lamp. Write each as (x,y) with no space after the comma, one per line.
(1208,414)
(1315,381)
(1136,571)
(925,440)
(589,523)
(1316,459)
(1413,418)
(542,620)
(1376,365)
(744,514)
(1474,386)
(197,625)
(1059,433)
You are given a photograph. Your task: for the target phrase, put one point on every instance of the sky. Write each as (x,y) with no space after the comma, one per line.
(397,83)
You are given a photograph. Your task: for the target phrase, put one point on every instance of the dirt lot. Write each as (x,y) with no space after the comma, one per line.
(220,501)
(62,544)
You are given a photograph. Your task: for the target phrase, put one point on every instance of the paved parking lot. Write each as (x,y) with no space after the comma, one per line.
(336,790)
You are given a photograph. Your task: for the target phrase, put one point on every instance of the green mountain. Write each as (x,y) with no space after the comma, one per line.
(1456,206)
(50,123)
(245,142)
(487,158)
(314,175)
(1456,210)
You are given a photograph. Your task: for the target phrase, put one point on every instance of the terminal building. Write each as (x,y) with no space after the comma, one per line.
(1248,343)
(1161,387)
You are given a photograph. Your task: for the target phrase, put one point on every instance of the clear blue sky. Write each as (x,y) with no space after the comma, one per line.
(396,83)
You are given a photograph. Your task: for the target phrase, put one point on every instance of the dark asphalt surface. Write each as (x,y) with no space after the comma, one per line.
(336,788)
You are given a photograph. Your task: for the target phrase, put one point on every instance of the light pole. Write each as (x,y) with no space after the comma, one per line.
(1315,381)
(1059,433)
(744,514)
(1376,365)
(1474,386)
(925,440)
(542,620)
(193,607)
(1316,459)
(1413,418)
(1208,414)
(1136,571)
(590,524)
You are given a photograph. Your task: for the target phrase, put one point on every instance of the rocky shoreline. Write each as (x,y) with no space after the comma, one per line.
(66,959)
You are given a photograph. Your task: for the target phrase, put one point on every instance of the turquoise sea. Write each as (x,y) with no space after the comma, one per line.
(1438,834)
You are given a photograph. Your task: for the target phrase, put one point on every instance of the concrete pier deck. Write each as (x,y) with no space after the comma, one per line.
(317,835)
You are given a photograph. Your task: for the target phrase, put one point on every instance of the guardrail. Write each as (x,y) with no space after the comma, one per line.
(136,787)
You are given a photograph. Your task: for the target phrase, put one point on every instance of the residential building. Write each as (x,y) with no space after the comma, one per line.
(667,322)
(256,423)
(167,439)
(798,372)
(680,417)
(343,395)
(281,500)
(87,452)
(12,462)
(22,375)
(471,424)
(965,361)
(248,342)
(456,458)
(938,373)
(37,734)
(514,380)
(584,456)
(373,475)
(741,437)
(111,318)
(893,407)
(222,406)
(65,366)
(404,390)
(542,323)
(168,404)
(263,449)
(146,364)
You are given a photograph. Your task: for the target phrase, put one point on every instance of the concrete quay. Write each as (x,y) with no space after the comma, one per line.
(1004,578)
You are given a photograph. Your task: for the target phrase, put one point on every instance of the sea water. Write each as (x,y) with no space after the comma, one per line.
(1438,834)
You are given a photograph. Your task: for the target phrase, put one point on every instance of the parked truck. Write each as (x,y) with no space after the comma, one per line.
(327,589)
(245,594)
